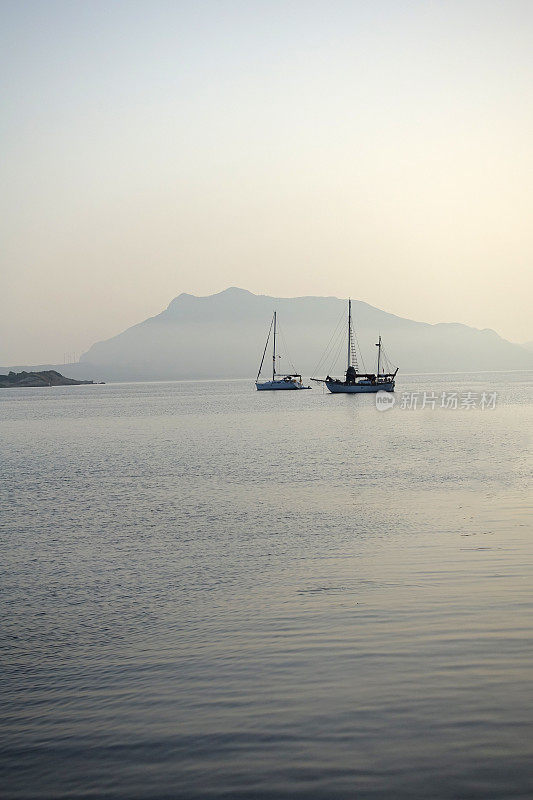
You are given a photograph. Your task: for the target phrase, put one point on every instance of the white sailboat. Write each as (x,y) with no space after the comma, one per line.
(279,381)
(356,382)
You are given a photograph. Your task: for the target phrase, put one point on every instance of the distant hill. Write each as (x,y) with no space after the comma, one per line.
(223,335)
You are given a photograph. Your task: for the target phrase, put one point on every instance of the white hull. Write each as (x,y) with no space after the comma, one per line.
(359,388)
(284,381)
(277,385)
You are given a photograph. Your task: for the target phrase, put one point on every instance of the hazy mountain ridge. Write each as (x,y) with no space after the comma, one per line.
(223,335)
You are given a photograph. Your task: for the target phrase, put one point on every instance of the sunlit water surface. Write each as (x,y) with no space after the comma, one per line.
(209,592)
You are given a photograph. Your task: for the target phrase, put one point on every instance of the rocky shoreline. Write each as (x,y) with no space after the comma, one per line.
(34,379)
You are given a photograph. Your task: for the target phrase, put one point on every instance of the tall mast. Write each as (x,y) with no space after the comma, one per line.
(349,333)
(274,350)
(379,352)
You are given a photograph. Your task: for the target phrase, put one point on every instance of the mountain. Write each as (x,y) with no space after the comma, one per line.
(223,335)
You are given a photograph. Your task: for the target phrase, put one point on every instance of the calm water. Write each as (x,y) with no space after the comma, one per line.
(208,592)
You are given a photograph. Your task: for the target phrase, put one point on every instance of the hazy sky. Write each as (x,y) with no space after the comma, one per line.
(379,149)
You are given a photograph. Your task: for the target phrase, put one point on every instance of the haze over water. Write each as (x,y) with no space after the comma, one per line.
(210,592)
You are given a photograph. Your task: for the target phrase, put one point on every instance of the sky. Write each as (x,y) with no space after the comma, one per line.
(382,150)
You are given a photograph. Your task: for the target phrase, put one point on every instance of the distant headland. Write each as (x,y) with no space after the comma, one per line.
(33,379)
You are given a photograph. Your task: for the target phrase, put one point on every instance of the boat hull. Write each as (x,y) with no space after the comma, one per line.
(359,388)
(268,386)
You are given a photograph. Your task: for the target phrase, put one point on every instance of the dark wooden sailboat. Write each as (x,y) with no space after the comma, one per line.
(356,382)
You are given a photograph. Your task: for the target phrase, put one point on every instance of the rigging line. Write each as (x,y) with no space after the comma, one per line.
(338,354)
(353,351)
(360,352)
(332,356)
(340,348)
(329,345)
(386,358)
(282,334)
(391,363)
(264,351)
(357,347)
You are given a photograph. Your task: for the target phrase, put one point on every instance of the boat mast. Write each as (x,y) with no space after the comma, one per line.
(274,350)
(349,333)
(379,352)
(264,351)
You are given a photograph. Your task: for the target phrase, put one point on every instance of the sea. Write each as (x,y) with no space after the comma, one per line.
(209,592)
